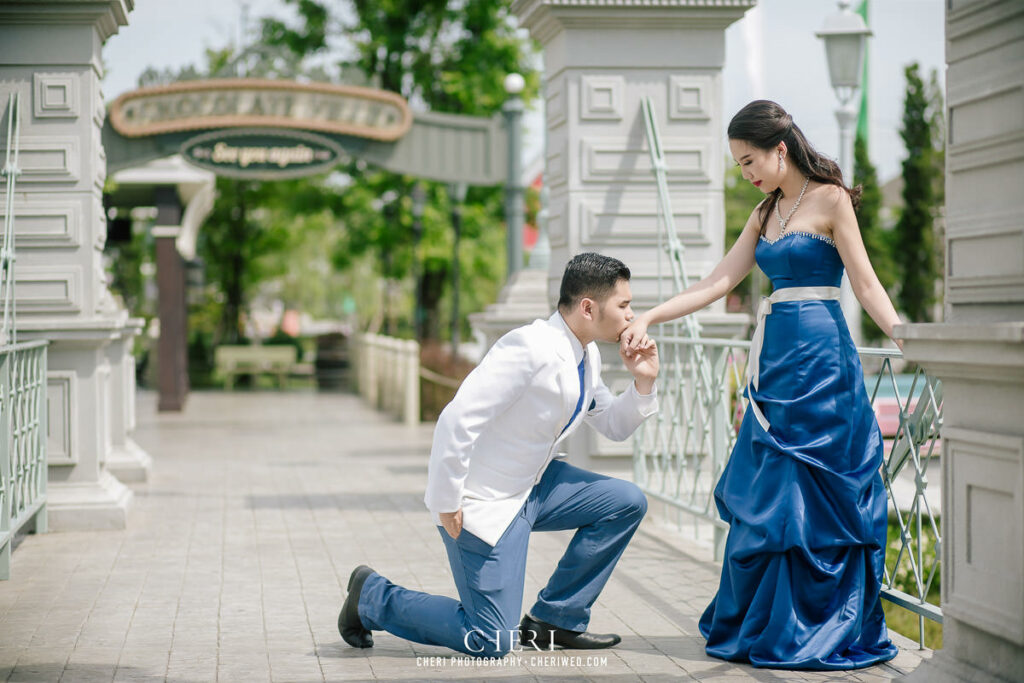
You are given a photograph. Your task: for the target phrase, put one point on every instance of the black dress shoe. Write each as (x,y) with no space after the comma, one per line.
(349,624)
(538,634)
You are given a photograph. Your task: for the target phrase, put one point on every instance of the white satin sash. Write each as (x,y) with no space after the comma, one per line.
(757,341)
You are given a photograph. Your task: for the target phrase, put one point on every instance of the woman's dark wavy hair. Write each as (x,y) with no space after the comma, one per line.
(764,124)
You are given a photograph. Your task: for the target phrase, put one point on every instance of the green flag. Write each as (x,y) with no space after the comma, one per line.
(862,118)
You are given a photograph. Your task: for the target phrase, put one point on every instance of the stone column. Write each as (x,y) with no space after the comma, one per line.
(600,60)
(979,353)
(50,52)
(172,356)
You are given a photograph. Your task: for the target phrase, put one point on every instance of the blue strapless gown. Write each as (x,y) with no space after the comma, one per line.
(805,500)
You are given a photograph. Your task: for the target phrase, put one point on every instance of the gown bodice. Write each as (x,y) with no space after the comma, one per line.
(800,259)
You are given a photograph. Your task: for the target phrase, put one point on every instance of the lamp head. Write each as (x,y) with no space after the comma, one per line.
(845,35)
(514,84)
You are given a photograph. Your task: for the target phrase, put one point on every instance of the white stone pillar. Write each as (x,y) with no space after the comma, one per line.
(979,353)
(600,60)
(50,52)
(127,460)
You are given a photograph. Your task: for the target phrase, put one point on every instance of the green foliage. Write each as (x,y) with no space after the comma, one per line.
(452,57)
(877,241)
(938,125)
(234,242)
(379,224)
(740,199)
(126,260)
(311,39)
(915,243)
(316,243)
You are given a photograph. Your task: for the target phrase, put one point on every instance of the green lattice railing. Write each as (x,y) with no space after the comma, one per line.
(680,453)
(22,444)
(22,384)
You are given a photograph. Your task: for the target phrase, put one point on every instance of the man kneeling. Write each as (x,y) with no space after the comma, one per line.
(493,478)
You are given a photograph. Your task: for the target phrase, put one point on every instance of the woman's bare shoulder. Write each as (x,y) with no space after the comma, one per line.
(832,195)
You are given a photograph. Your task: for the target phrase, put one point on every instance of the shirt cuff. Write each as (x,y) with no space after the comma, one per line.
(646,404)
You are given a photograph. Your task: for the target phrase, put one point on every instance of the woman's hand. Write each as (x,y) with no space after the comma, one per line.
(643,365)
(634,337)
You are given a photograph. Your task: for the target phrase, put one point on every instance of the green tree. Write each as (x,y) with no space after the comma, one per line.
(915,250)
(876,240)
(234,243)
(938,124)
(451,57)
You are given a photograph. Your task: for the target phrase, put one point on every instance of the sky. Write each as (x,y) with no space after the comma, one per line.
(771,53)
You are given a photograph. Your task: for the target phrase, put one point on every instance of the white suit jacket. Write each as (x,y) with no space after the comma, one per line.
(498,435)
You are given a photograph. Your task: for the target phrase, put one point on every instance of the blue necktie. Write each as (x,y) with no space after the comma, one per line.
(579,403)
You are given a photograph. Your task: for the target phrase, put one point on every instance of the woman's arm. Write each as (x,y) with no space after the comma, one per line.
(726,275)
(869,291)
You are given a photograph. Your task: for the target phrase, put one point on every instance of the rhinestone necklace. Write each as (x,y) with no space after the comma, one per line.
(784,221)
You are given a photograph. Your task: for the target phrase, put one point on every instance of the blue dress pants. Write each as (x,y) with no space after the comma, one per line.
(484,621)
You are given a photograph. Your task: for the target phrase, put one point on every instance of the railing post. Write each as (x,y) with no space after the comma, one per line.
(370,343)
(411,409)
(387,395)
(6,358)
(395,371)
(720,427)
(384,399)
(41,518)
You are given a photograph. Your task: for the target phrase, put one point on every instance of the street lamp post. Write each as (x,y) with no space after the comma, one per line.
(419,200)
(845,35)
(514,190)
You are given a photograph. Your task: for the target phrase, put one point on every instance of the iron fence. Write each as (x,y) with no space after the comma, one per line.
(22,443)
(680,453)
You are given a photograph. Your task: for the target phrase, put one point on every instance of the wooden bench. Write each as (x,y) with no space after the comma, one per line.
(230,361)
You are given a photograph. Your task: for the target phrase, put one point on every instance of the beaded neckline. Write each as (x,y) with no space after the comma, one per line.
(824,238)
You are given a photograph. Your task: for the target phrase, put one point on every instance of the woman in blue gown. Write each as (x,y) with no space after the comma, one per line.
(802,492)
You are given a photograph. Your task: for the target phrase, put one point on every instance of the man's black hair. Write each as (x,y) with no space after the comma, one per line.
(590,276)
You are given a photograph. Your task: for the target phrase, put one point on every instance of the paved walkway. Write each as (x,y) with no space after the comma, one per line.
(238,549)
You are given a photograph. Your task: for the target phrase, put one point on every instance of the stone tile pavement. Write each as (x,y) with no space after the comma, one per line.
(238,549)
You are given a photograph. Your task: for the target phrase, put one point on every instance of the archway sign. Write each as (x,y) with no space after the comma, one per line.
(269,129)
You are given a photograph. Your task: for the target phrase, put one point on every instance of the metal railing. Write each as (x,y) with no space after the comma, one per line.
(22,384)
(913,450)
(680,453)
(22,444)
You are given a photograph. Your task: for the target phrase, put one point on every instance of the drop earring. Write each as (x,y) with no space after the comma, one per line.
(782,164)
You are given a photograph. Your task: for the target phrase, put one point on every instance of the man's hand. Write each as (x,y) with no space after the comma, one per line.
(642,364)
(452,522)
